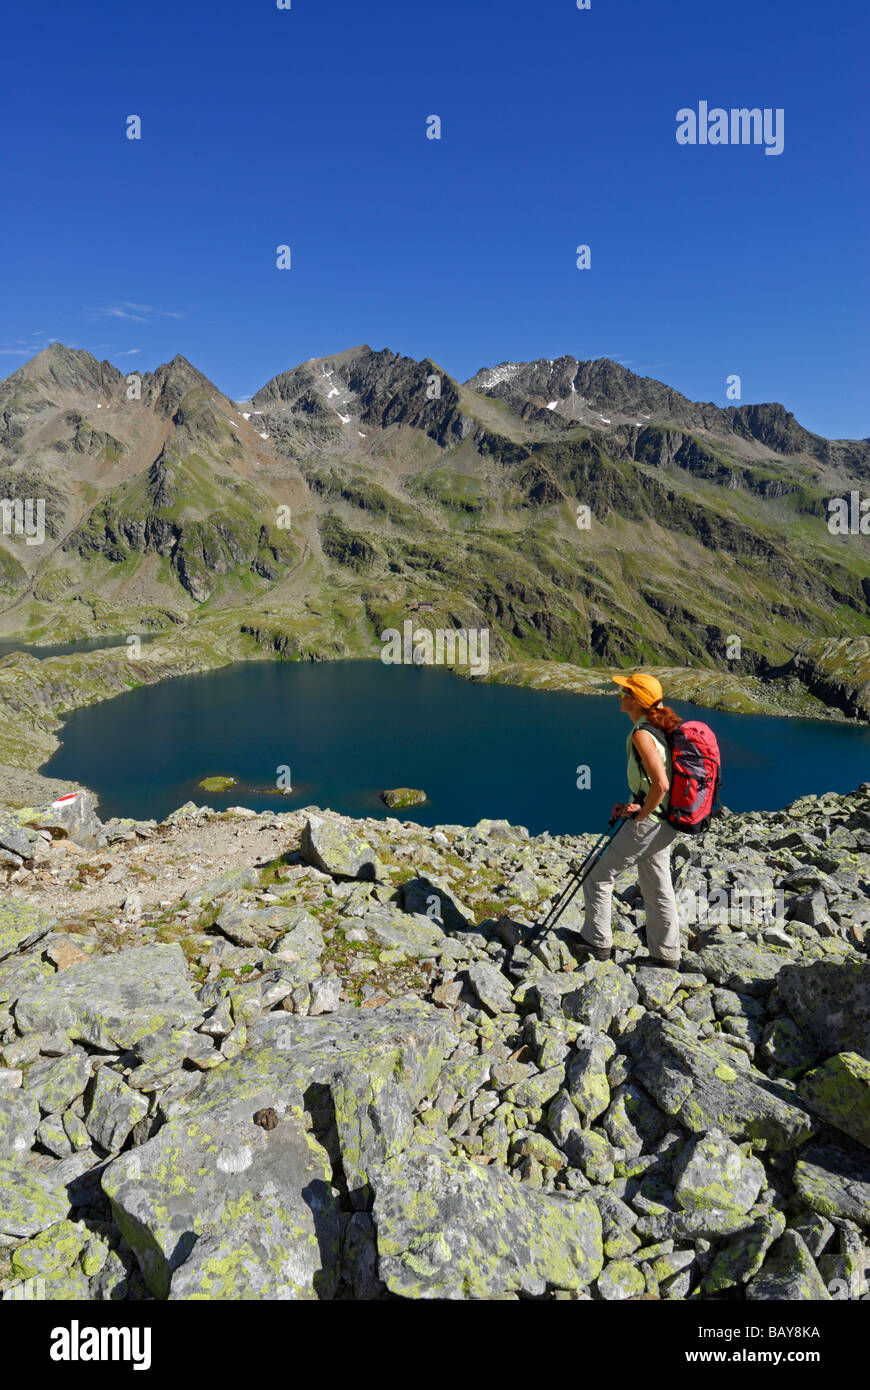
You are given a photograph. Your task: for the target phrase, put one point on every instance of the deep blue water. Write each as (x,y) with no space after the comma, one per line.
(86,644)
(348,730)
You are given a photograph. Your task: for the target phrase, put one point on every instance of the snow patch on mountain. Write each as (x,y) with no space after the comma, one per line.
(494,376)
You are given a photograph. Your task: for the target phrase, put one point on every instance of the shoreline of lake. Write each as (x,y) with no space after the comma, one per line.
(340,732)
(38,694)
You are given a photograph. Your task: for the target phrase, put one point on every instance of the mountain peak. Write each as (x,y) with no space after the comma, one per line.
(171,382)
(58,369)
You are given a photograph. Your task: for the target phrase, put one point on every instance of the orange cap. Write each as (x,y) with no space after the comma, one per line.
(645,688)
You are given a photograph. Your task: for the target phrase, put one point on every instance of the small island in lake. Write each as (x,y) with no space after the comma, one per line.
(217,784)
(403,796)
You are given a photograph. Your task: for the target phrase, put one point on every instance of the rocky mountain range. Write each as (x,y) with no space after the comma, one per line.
(308,519)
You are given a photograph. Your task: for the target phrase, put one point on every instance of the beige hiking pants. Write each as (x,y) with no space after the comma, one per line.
(648,845)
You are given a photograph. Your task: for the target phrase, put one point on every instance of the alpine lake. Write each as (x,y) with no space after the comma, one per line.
(337,734)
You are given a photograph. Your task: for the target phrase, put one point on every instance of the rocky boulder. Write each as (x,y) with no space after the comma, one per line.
(689,1079)
(789,1273)
(397,797)
(714,1172)
(112,1001)
(71,817)
(839,1091)
(335,849)
(447,1228)
(21,925)
(245,1210)
(834,1180)
(831,1000)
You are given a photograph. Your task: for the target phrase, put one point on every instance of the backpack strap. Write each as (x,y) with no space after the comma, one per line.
(658,734)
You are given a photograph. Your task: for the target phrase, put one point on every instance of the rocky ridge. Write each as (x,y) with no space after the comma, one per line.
(355,486)
(301,1056)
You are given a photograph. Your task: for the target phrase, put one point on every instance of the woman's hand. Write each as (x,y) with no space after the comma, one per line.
(625,812)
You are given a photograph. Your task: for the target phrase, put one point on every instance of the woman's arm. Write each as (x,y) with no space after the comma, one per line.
(649,756)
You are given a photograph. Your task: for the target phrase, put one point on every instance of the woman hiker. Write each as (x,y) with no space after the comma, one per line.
(644,840)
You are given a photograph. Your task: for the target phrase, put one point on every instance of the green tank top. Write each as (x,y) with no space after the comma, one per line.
(638,777)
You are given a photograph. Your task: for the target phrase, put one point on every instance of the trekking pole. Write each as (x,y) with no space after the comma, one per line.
(581,872)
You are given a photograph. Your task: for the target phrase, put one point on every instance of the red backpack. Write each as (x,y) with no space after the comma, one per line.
(696,775)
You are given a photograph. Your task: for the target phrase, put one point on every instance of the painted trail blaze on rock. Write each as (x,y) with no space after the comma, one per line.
(447,1228)
(73,817)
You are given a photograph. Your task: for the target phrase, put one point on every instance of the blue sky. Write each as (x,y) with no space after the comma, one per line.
(307,127)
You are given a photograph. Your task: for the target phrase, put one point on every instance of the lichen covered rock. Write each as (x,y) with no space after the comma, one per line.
(21,925)
(788,1273)
(397,797)
(335,849)
(112,1001)
(689,1079)
(831,1001)
(447,1228)
(260,1199)
(839,1091)
(714,1172)
(834,1180)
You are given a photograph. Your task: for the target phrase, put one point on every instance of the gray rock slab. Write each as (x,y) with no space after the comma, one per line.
(71,817)
(232,883)
(449,1228)
(393,929)
(337,850)
(31,1201)
(713,1172)
(744,1255)
(788,1273)
(743,966)
(19,1117)
(839,1091)
(55,1083)
(374,1118)
(259,1197)
(690,1080)
(282,1253)
(112,1001)
(301,944)
(831,1001)
(21,925)
(210,1165)
(492,988)
(834,1180)
(251,926)
(427,898)
(16,838)
(605,993)
(114,1110)
(405,1041)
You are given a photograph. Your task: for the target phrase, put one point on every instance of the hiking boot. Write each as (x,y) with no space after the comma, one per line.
(585,949)
(663,964)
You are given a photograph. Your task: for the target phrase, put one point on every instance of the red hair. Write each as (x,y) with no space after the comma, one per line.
(662,717)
